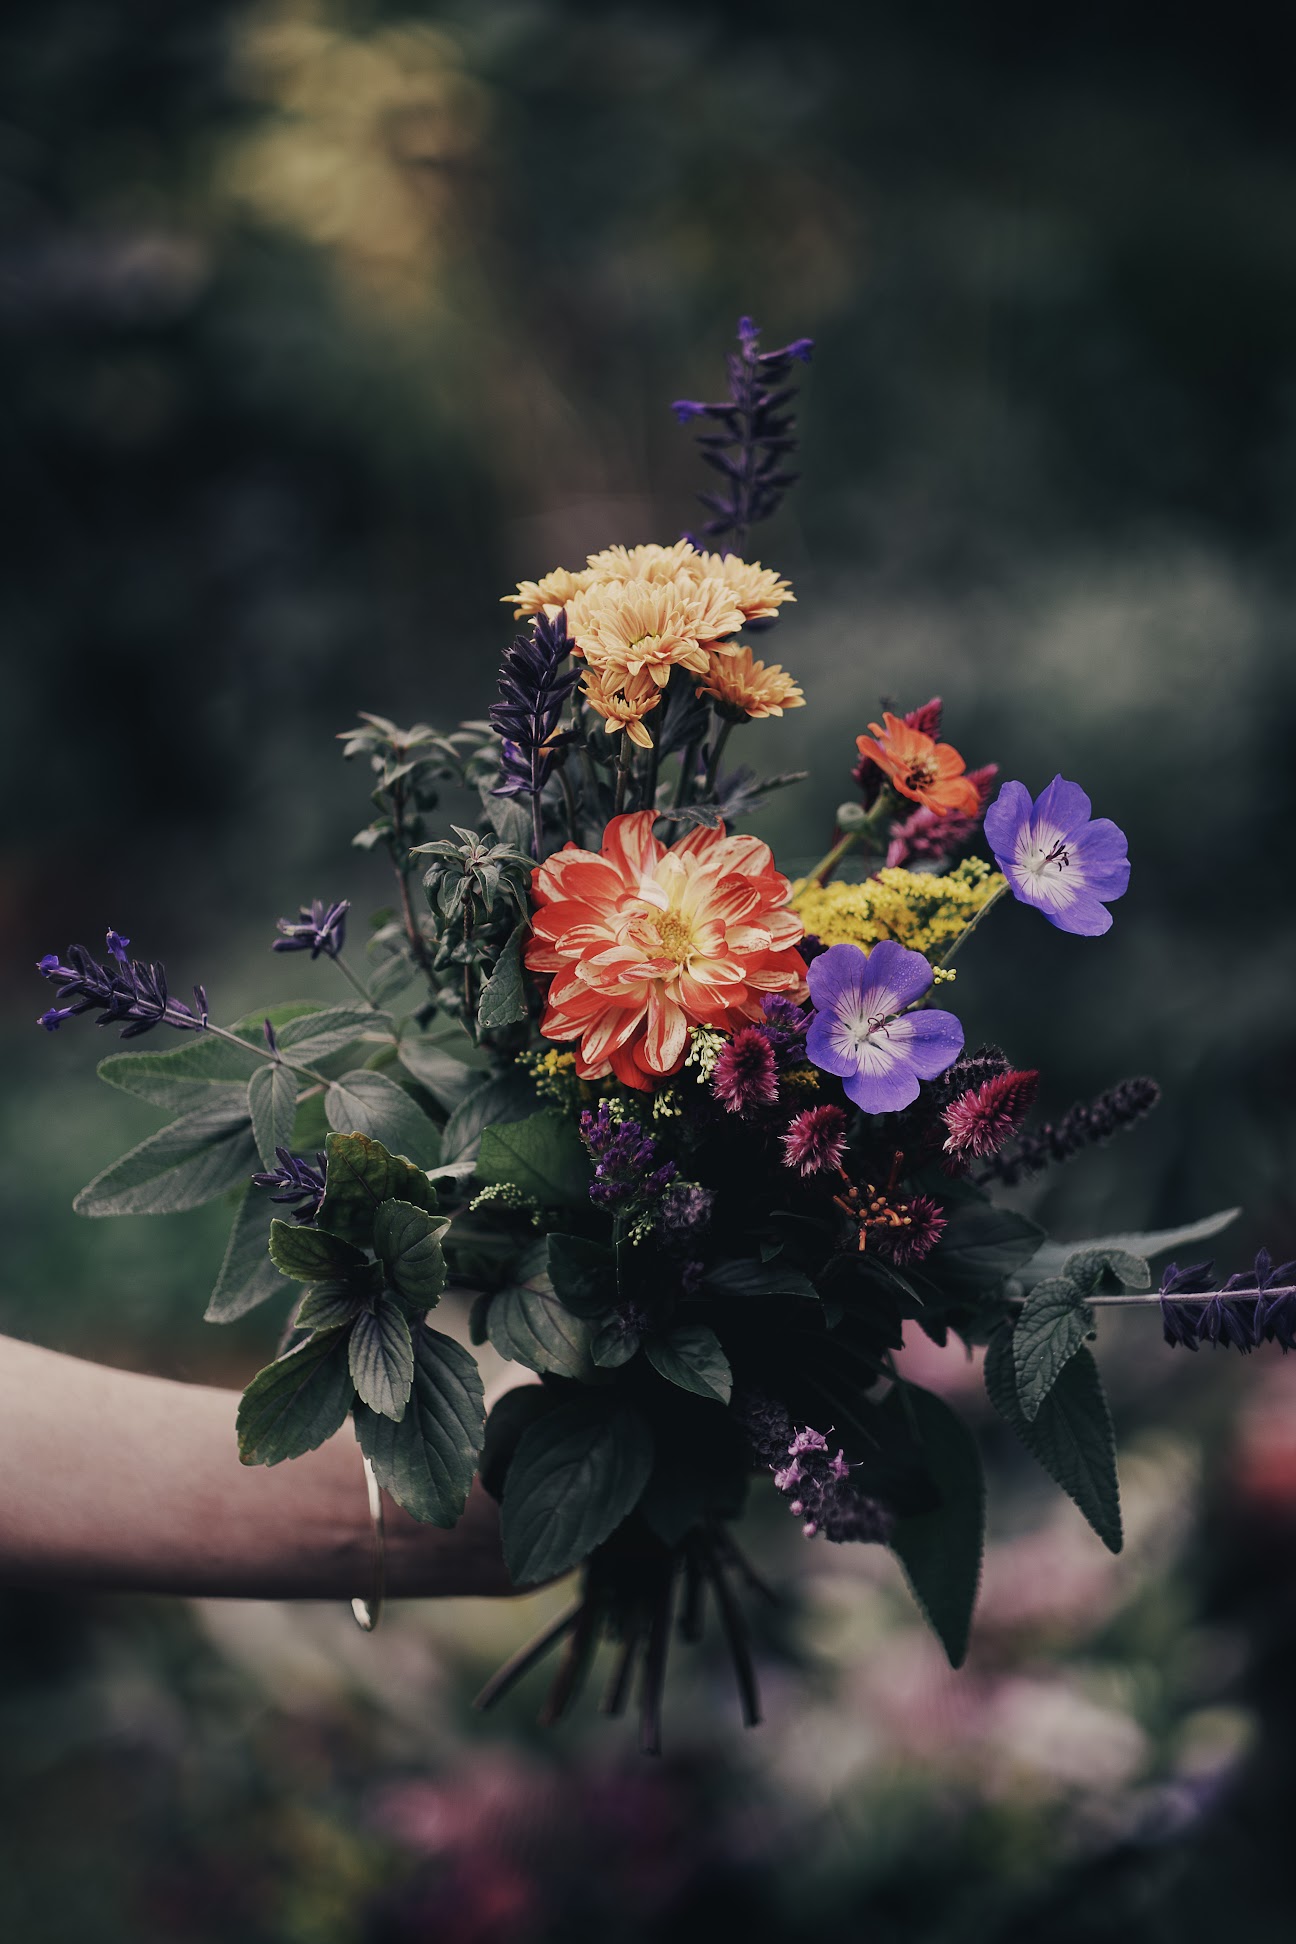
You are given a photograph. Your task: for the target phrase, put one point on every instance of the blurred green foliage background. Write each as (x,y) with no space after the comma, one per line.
(322,324)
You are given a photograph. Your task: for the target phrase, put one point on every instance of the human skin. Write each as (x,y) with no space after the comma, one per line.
(127,1483)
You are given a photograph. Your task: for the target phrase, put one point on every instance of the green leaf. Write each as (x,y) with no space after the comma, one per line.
(390,978)
(448,1080)
(370,1103)
(360,1176)
(296,1403)
(503,1000)
(691,1357)
(509,1097)
(1071,1435)
(183,1077)
(1052,1325)
(543,1156)
(582,1273)
(427,1460)
(980,1246)
(576,1474)
(382,1358)
(1090,1269)
(745,1278)
(510,1416)
(318,1035)
(407,1240)
(529,1324)
(182,1166)
(247,1275)
(312,1255)
(613,1345)
(1053,1256)
(328,1306)
(272,1102)
(941,1550)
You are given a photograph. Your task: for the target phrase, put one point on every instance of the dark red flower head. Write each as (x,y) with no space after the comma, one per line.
(745,1075)
(816,1140)
(980,1121)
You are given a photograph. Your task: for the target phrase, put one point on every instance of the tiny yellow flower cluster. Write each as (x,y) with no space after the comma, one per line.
(507,1194)
(922,910)
(554,1073)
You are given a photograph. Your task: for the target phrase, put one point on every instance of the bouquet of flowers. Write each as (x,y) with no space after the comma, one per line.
(699,1141)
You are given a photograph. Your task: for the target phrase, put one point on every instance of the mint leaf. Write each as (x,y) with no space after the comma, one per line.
(576,1474)
(369,1103)
(407,1241)
(381,1354)
(182,1166)
(543,1156)
(311,1255)
(691,1357)
(360,1176)
(427,1460)
(503,1000)
(1052,1325)
(1089,1269)
(529,1324)
(296,1403)
(328,1306)
(1071,1434)
(941,1550)
(509,1097)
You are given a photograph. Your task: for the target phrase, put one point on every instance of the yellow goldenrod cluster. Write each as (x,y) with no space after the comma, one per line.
(923,910)
(634,613)
(554,1073)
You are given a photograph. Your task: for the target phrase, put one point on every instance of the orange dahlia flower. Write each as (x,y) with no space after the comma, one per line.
(645,941)
(925,771)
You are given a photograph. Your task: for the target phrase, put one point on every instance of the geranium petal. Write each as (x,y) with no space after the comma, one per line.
(884,1082)
(929,1041)
(1064,804)
(1010,810)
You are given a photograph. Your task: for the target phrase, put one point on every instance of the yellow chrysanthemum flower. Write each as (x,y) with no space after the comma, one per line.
(757,590)
(649,562)
(639,625)
(922,910)
(748,690)
(546,595)
(623,697)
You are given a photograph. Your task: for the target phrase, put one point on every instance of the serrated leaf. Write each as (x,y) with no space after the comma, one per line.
(196,1158)
(1051,1260)
(503,1001)
(691,1356)
(613,1345)
(1071,1435)
(427,1460)
(407,1241)
(980,1246)
(746,1278)
(1053,1323)
(511,1415)
(1089,1268)
(296,1403)
(328,1306)
(543,1156)
(247,1275)
(369,1103)
(529,1324)
(391,978)
(509,1097)
(272,1102)
(448,1080)
(360,1176)
(318,1035)
(381,1353)
(312,1255)
(941,1550)
(576,1474)
(582,1273)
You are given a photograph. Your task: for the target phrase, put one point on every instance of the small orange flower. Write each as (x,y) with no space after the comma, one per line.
(623,698)
(747,690)
(645,941)
(926,772)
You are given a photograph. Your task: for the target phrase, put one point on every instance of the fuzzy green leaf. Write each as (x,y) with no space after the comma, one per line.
(318,1035)
(427,1460)
(1071,1434)
(1053,1257)
(182,1166)
(1054,1322)
(369,1103)
(941,1550)
(296,1403)
(691,1357)
(448,1080)
(247,1275)
(576,1474)
(407,1241)
(312,1255)
(1090,1269)
(503,1000)
(183,1077)
(543,1156)
(272,1102)
(382,1358)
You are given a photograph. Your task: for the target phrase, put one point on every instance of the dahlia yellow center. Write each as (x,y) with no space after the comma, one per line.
(676,935)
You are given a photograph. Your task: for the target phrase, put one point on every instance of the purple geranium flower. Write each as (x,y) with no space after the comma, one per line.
(1056,857)
(862,1032)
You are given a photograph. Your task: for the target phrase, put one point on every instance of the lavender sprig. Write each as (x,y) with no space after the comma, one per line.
(1253,1307)
(754,435)
(533,688)
(318,928)
(129,990)
(297,1182)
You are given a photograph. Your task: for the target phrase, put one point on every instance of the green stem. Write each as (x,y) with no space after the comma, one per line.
(824,869)
(868,833)
(569,803)
(624,761)
(688,770)
(650,776)
(723,734)
(264,1053)
(971,925)
(354,979)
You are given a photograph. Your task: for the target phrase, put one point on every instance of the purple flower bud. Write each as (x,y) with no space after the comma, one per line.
(297,1182)
(318,928)
(129,991)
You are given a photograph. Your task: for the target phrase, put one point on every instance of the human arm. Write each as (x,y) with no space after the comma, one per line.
(123,1482)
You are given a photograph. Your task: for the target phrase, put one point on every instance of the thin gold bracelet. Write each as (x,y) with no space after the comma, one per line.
(368,1612)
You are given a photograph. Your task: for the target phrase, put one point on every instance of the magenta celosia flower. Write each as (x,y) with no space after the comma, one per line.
(980,1120)
(864,1033)
(816,1140)
(745,1075)
(923,1221)
(1057,857)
